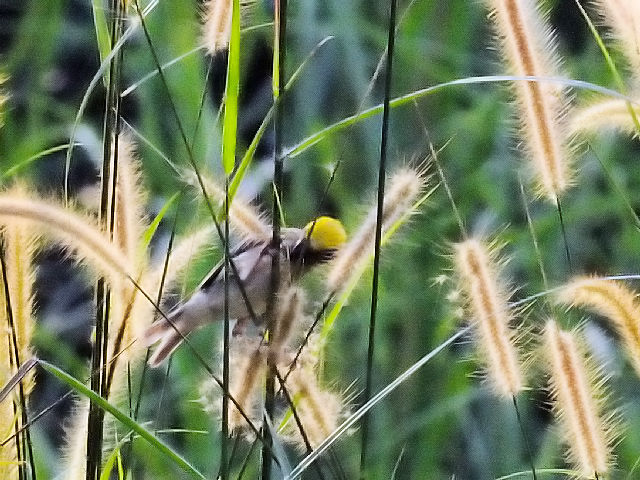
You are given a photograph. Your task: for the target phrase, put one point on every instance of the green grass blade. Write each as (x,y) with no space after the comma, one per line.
(340,125)
(25,163)
(102,33)
(230,127)
(157,444)
(349,422)
(153,226)
(249,154)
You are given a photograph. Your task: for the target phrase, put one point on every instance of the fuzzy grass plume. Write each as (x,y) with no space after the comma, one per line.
(604,114)
(528,49)
(289,314)
(486,298)
(318,409)
(77,232)
(246,220)
(623,19)
(578,403)
(614,301)
(404,187)
(248,366)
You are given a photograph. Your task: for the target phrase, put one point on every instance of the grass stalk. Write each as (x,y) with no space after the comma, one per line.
(279,56)
(382,173)
(107,221)
(224,456)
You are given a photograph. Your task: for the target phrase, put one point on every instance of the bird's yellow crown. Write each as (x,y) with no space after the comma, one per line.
(327,233)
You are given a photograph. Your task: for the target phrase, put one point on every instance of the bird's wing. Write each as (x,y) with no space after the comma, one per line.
(244,267)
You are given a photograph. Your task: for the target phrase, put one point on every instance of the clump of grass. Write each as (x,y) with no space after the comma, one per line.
(528,49)
(486,299)
(614,301)
(578,403)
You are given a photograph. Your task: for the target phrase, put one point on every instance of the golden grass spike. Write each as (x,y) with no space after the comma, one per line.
(8,417)
(216,25)
(623,18)
(20,246)
(246,219)
(73,230)
(528,49)
(289,313)
(603,114)
(75,448)
(486,300)
(578,403)
(614,301)
(318,409)
(247,364)
(404,187)
(131,199)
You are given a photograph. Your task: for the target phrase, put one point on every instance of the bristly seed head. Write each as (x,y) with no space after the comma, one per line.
(578,403)
(486,300)
(404,188)
(528,49)
(612,300)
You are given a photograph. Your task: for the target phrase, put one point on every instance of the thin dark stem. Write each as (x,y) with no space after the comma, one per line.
(203,97)
(382,172)
(107,205)
(224,465)
(525,439)
(564,235)
(269,402)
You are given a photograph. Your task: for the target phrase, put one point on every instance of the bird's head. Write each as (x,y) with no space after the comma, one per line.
(319,240)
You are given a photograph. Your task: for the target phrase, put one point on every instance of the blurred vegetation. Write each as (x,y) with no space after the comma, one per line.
(444,421)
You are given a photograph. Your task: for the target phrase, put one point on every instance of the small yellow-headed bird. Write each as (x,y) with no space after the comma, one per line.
(300,250)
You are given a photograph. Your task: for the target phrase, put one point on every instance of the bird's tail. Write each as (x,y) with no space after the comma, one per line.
(163,331)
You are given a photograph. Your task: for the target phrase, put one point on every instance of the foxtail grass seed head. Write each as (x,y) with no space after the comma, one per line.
(289,315)
(578,403)
(604,114)
(623,18)
(79,233)
(318,409)
(486,300)
(247,365)
(613,300)
(20,247)
(216,23)
(246,220)
(404,188)
(131,199)
(528,49)
(8,417)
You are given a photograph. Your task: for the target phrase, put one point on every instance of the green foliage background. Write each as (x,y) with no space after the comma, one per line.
(444,421)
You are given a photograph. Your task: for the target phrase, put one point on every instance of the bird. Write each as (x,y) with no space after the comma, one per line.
(300,250)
